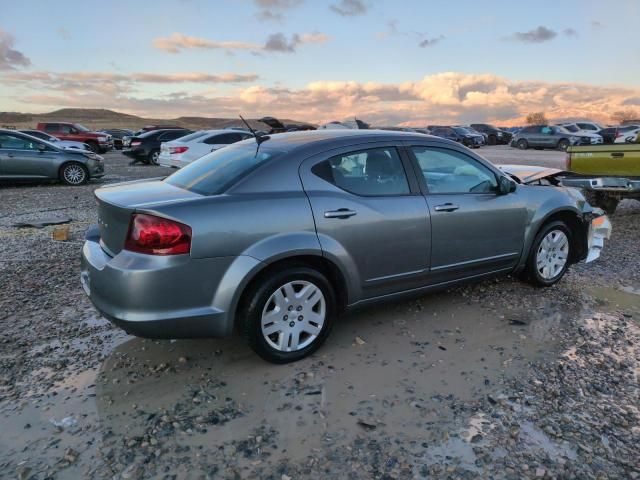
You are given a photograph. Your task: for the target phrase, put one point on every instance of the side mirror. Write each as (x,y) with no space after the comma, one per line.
(506,185)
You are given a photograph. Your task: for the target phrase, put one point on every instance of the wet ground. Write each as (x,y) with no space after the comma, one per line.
(489,380)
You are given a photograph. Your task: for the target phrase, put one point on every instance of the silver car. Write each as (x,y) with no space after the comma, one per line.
(24,157)
(278,237)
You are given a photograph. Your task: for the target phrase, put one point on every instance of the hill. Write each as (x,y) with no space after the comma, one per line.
(98,119)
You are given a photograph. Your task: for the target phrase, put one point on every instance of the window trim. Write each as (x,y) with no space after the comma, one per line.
(423,182)
(406,168)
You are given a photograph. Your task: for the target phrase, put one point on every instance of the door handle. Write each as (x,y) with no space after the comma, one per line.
(617,154)
(340,213)
(447,207)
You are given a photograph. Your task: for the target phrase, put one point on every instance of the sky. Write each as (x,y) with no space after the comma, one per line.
(402,62)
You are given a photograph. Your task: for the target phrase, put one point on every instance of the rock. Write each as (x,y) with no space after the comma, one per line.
(359,341)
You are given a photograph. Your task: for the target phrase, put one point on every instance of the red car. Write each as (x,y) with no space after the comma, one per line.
(99,142)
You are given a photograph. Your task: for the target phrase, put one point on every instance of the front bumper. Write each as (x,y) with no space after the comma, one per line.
(599,231)
(162,296)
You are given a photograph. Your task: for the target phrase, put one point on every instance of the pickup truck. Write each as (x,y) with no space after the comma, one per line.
(606,173)
(98,142)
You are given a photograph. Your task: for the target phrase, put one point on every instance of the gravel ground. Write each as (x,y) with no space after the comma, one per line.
(493,380)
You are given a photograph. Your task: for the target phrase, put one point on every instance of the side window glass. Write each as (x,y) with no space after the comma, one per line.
(66,129)
(449,171)
(370,173)
(14,142)
(223,139)
(51,127)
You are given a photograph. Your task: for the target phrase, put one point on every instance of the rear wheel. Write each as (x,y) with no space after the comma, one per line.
(93,146)
(522,144)
(549,255)
(287,316)
(74,174)
(153,157)
(563,145)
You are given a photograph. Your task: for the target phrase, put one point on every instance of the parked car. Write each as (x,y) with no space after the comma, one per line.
(184,150)
(56,140)
(146,147)
(118,134)
(546,136)
(126,140)
(495,136)
(24,157)
(278,238)
(594,138)
(606,173)
(277,126)
(458,134)
(592,127)
(98,142)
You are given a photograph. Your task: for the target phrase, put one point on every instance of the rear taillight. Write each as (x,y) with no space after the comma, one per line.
(135,143)
(157,236)
(178,149)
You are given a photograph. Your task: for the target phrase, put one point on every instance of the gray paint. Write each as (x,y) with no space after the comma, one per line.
(393,245)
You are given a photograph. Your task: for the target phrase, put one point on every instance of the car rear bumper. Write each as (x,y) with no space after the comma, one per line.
(135,153)
(163,296)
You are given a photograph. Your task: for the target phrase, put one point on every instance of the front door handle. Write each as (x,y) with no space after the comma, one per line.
(617,154)
(447,207)
(340,213)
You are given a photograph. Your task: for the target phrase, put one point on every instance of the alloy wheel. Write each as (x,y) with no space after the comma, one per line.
(74,174)
(293,316)
(552,254)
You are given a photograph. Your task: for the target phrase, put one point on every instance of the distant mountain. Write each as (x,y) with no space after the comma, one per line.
(98,119)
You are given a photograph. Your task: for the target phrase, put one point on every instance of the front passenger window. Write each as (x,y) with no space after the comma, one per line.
(450,171)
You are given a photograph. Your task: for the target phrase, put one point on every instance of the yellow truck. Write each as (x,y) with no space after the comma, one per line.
(606,173)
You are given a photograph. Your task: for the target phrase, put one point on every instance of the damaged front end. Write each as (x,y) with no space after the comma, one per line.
(596,224)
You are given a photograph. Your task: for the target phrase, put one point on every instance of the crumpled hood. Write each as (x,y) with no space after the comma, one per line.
(530,174)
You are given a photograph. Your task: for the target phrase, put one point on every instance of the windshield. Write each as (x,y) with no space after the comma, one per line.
(217,171)
(571,128)
(192,136)
(562,130)
(82,128)
(461,130)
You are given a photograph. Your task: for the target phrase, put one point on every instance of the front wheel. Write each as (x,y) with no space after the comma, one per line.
(74,174)
(288,315)
(549,255)
(563,145)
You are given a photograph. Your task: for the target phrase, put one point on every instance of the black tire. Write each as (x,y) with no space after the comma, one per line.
(602,200)
(492,140)
(74,173)
(152,158)
(563,145)
(255,301)
(531,273)
(522,144)
(95,148)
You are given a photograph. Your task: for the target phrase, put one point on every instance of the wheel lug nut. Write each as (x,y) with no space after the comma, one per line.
(292,324)
(299,308)
(290,307)
(300,317)
(286,317)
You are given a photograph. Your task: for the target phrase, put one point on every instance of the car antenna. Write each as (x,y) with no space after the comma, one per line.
(259,138)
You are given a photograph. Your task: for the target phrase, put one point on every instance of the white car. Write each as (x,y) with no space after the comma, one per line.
(184,150)
(574,128)
(627,134)
(55,140)
(592,127)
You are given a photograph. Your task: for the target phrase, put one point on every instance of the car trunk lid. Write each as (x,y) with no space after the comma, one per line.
(117,203)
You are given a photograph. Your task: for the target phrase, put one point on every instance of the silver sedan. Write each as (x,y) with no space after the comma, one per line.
(278,235)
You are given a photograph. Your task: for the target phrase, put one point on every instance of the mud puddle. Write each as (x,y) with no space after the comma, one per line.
(625,300)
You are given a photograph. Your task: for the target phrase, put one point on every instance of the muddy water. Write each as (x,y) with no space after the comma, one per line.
(399,378)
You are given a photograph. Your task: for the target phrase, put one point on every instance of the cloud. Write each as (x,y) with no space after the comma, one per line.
(276,42)
(447,97)
(272,10)
(10,59)
(64,33)
(570,32)
(537,35)
(430,42)
(349,8)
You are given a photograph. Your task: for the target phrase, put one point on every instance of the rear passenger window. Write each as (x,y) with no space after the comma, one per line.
(372,172)
(51,127)
(224,139)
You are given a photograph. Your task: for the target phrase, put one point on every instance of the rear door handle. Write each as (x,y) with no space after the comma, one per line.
(617,154)
(447,207)
(340,213)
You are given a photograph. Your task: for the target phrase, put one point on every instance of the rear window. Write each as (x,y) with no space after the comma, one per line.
(217,171)
(193,136)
